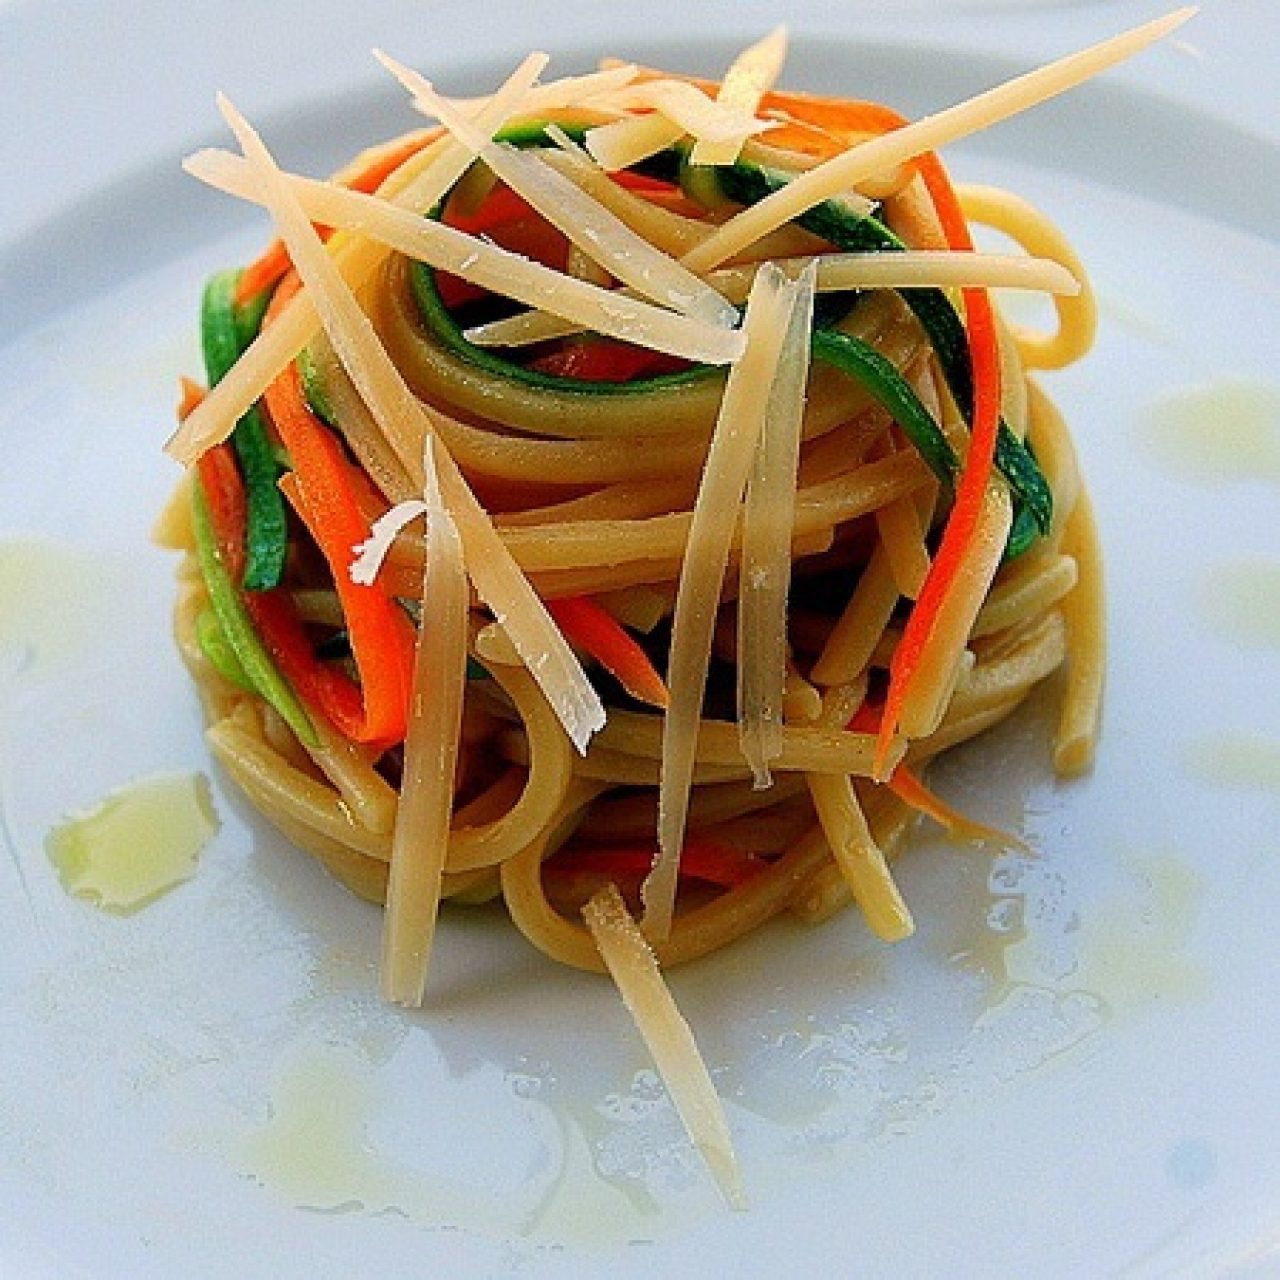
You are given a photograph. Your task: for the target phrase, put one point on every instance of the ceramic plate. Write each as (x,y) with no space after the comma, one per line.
(1069,1070)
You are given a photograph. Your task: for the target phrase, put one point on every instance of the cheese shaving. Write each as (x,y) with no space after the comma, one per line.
(711,531)
(421,836)
(837,272)
(620,144)
(587,223)
(753,73)
(844,171)
(679,108)
(498,580)
(766,547)
(666,1034)
(370,554)
(566,92)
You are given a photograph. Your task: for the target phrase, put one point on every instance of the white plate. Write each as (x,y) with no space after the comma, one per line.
(1069,1070)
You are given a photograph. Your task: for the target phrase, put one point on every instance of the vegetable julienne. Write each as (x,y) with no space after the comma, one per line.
(716,556)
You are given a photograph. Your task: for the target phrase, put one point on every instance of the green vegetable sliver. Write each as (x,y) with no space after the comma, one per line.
(238,629)
(225,331)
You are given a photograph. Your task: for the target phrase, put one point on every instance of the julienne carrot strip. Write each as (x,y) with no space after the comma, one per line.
(957,537)
(325,496)
(909,788)
(500,207)
(274,263)
(224,494)
(266,270)
(587,625)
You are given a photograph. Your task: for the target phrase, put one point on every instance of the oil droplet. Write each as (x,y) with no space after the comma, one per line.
(313,1150)
(1241,602)
(1244,760)
(581,1206)
(139,843)
(48,592)
(993,951)
(1133,950)
(1218,432)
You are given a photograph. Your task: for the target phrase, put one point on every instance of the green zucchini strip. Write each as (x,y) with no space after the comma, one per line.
(225,331)
(238,629)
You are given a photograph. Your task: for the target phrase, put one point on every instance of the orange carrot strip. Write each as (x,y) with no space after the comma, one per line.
(908,787)
(323,689)
(324,495)
(957,537)
(587,625)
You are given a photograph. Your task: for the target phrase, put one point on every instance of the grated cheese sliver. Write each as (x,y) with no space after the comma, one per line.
(599,233)
(420,839)
(843,172)
(634,969)
(765,571)
(836,272)
(711,531)
(678,108)
(626,142)
(370,554)
(752,74)
(620,144)
(564,93)
(498,579)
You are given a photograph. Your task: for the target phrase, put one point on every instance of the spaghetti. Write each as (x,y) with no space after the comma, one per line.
(736,513)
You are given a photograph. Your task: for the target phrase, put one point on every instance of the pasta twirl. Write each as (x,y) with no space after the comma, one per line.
(689,546)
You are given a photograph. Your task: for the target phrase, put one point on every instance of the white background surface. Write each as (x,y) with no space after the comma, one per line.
(1098,1097)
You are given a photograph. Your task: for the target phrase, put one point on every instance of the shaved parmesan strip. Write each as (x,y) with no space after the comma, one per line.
(568,91)
(370,554)
(421,837)
(845,171)
(587,223)
(665,1032)
(419,185)
(711,531)
(836,272)
(680,108)
(688,106)
(916,269)
(620,144)
(753,73)
(483,263)
(401,416)
(766,548)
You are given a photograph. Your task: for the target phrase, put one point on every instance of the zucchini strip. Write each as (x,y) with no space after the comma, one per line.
(225,331)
